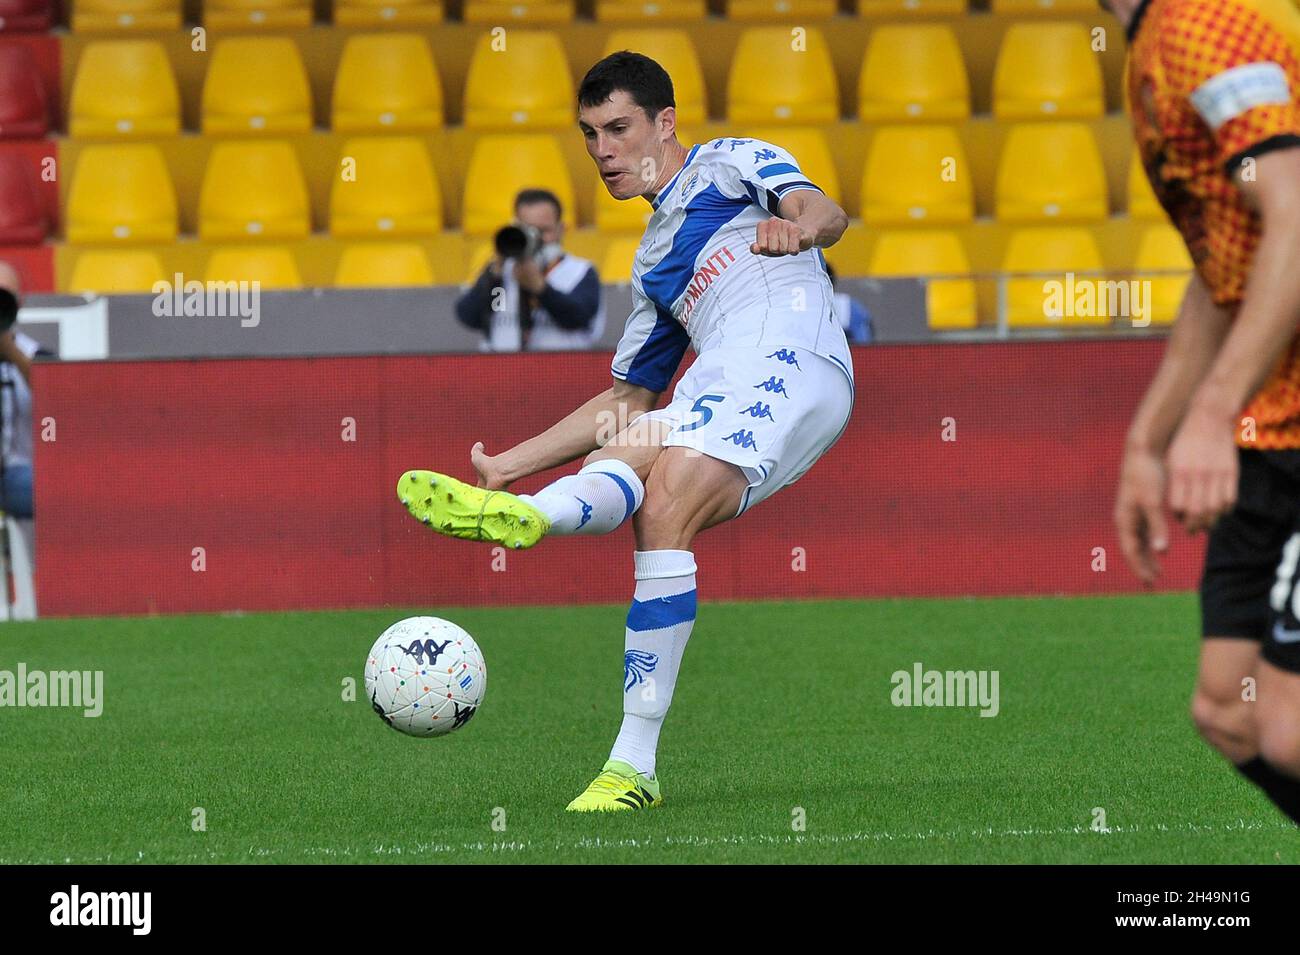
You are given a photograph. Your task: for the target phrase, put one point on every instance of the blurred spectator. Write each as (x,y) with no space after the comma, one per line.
(853,315)
(16,353)
(546,299)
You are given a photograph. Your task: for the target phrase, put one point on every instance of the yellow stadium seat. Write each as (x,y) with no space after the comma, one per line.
(639,11)
(501,165)
(391,191)
(913,72)
(526,84)
(1047,70)
(1054,253)
(1161,248)
(385,82)
(917,175)
(243,14)
(383,265)
(124,87)
(272,266)
(778,78)
(119,271)
(1020,7)
(369,13)
(1050,171)
(256,84)
(113,16)
(673,50)
(478,260)
(616,266)
(893,9)
(950,302)
(1142,202)
(620,215)
(518,11)
(808,146)
(253,189)
(121,193)
(779,10)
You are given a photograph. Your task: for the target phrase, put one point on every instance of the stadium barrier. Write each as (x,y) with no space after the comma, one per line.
(269,484)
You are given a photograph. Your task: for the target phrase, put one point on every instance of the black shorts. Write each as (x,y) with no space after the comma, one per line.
(1248,589)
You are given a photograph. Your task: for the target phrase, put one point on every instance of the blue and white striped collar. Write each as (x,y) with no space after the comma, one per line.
(655,203)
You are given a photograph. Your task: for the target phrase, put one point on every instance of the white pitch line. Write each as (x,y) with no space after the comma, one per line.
(756,839)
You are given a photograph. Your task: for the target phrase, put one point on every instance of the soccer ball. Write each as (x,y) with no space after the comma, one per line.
(425,676)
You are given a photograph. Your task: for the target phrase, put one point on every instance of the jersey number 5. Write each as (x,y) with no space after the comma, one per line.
(706,413)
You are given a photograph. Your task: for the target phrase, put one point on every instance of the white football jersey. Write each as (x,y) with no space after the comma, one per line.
(695,282)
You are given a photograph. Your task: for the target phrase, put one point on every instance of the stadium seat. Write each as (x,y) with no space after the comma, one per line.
(779,11)
(26,16)
(639,11)
(518,11)
(1021,7)
(256,84)
(271,266)
(913,72)
(894,9)
(369,13)
(121,193)
(916,175)
(616,265)
(1047,70)
(1050,171)
(478,260)
(394,191)
(22,215)
(124,88)
(1142,202)
(620,215)
(386,82)
(1161,248)
(808,146)
(116,16)
(383,265)
(1053,252)
(525,85)
(673,50)
(502,164)
(253,189)
(243,14)
(122,270)
(770,82)
(23,111)
(950,302)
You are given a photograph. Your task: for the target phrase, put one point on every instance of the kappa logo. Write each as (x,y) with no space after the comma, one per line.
(430,648)
(743,438)
(787,356)
(462,716)
(773,384)
(637,665)
(759,410)
(586,512)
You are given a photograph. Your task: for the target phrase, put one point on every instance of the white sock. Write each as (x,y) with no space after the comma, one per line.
(596,500)
(658,625)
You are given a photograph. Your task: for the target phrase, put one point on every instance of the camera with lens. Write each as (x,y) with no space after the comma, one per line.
(518,241)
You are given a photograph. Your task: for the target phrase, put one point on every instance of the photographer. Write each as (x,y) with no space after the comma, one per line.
(16,353)
(548,300)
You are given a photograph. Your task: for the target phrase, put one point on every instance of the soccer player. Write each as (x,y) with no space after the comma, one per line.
(1214,91)
(730,264)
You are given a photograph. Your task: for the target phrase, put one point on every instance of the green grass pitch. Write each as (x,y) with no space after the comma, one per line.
(783,710)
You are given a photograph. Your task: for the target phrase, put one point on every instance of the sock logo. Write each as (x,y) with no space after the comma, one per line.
(586,511)
(637,665)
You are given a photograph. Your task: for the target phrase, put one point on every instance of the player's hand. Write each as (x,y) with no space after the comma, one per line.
(489,471)
(1202,465)
(778,236)
(1138,515)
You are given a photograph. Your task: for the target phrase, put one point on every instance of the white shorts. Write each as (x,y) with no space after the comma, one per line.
(770,413)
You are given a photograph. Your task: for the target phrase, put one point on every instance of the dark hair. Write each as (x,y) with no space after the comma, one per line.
(528,197)
(636,74)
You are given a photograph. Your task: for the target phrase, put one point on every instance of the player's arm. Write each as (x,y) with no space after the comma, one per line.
(805,218)
(580,432)
(1197,335)
(1203,457)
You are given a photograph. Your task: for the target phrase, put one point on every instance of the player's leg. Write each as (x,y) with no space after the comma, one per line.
(1222,706)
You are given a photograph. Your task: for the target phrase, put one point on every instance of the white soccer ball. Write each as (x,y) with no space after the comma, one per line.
(425,676)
